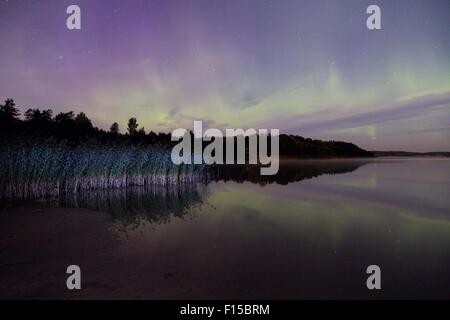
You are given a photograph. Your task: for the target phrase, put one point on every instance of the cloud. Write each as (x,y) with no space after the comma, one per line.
(331,119)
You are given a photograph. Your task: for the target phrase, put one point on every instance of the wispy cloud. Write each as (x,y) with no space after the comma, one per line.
(335,120)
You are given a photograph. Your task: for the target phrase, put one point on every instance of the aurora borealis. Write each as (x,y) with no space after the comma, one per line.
(305,67)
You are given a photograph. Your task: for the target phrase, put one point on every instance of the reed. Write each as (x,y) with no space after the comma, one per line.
(39,169)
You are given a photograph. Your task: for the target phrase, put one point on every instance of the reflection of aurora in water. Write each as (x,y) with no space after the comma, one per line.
(134,205)
(244,239)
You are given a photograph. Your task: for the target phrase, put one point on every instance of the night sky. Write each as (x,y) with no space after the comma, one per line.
(304,67)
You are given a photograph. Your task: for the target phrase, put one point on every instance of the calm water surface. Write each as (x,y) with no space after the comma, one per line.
(310,233)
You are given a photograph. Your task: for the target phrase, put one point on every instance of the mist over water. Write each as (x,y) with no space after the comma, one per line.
(309,232)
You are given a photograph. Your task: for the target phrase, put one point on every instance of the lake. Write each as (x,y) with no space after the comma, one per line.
(308,233)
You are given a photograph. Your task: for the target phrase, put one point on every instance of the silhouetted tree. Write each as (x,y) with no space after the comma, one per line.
(83,123)
(141,133)
(132,126)
(65,125)
(39,121)
(47,115)
(37,115)
(152,137)
(114,128)
(64,117)
(8,111)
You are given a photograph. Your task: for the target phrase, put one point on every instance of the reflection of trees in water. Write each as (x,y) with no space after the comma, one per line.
(289,171)
(136,205)
(133,206)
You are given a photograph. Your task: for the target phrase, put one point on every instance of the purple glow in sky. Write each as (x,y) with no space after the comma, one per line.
(306,67)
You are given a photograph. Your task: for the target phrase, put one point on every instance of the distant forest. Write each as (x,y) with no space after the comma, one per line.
(410,154)
(75,129)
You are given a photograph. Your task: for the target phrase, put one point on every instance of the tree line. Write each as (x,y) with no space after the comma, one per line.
(77,128)
(69,126)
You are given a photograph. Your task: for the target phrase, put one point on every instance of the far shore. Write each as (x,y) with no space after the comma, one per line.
(435,154)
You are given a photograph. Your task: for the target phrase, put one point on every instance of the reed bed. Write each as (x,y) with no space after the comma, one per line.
(40,169)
